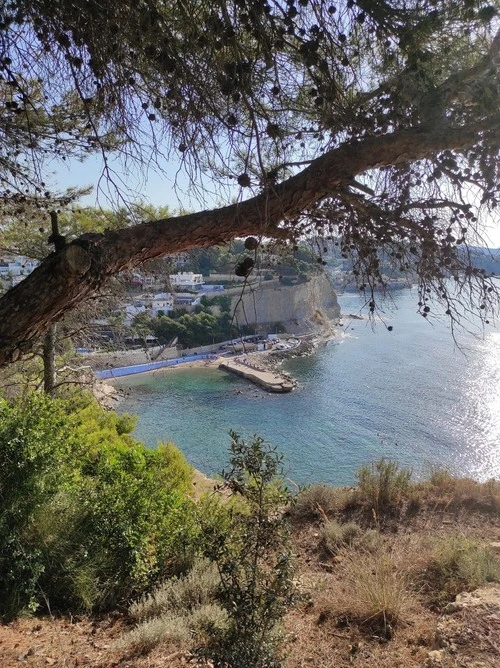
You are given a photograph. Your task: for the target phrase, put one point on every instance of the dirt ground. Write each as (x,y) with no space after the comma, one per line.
(319,634)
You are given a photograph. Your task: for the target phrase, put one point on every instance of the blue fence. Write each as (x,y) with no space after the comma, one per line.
(150,366)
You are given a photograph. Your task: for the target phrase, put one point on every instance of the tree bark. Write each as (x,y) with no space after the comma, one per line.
(49,360)
(70,275)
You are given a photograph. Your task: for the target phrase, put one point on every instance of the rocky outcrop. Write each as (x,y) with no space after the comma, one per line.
(300,308)
(467,634)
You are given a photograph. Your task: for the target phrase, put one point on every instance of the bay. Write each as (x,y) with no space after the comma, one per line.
(410,394)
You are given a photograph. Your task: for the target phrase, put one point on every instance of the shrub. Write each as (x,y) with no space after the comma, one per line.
(172,464)
(383,483)
(371,541)
(449,489)
(34,451)
(179,629)
(179,594)
(253,558)
(89,516)
(182,609)
(461,564)
(153,632)
(335,535)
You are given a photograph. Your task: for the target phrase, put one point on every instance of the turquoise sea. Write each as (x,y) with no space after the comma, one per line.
(409,394)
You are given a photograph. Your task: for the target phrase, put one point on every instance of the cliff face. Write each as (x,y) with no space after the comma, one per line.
(301,308)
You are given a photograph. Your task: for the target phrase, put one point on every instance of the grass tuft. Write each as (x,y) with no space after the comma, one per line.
(461,564)
(377,587)
(319,502)
(335,535)
(383,484)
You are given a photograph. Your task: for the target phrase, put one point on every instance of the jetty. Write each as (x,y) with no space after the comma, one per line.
(270,381)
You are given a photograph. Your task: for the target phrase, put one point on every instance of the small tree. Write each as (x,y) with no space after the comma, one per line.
(252,553)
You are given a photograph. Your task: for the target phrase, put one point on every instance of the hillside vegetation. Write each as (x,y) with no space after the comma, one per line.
(106,543)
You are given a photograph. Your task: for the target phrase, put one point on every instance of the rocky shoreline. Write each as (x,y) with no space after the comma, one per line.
(109,394)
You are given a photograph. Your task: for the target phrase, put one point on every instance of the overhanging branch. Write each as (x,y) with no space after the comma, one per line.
(68,276)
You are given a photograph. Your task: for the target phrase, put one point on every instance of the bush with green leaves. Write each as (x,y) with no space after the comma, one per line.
(89,517)
(251,550)
(34,447)
(383,483)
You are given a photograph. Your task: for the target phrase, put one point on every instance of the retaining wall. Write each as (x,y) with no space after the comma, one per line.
(150,366)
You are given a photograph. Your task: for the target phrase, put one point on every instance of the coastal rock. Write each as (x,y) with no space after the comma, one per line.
(303,308)
(466,636)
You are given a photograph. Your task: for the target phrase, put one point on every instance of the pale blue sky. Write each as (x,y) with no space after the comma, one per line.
(170,188)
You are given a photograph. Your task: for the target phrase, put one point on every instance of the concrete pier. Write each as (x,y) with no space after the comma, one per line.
(270,381)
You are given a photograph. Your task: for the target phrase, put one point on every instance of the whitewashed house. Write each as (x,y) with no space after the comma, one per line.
(186,280)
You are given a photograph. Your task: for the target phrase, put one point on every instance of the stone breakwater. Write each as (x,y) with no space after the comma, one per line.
(269,380)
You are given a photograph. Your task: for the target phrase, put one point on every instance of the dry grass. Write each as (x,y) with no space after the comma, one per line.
(458,563)
(319,502)
(335,535)
(377,587)
(444,489)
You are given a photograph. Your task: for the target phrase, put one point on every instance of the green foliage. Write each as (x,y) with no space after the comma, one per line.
(224,301)
(142,324)
(252,554)
(34,448)
(89,516)
(177,470)
(383,483)
(193,329)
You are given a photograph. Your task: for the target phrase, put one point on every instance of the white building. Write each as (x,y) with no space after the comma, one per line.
(163,301)
(186,280)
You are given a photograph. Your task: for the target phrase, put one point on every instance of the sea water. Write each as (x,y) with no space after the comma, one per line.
(410,394)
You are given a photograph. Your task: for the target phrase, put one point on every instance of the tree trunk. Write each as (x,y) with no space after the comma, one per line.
(49,360)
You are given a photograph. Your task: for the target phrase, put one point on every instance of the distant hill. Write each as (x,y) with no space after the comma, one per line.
(486,258)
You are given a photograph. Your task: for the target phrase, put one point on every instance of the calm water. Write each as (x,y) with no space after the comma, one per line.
(408,394)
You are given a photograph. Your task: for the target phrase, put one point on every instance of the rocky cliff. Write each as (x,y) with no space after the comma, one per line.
(300,308)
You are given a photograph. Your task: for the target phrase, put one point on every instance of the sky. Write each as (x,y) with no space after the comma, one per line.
(170,188)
